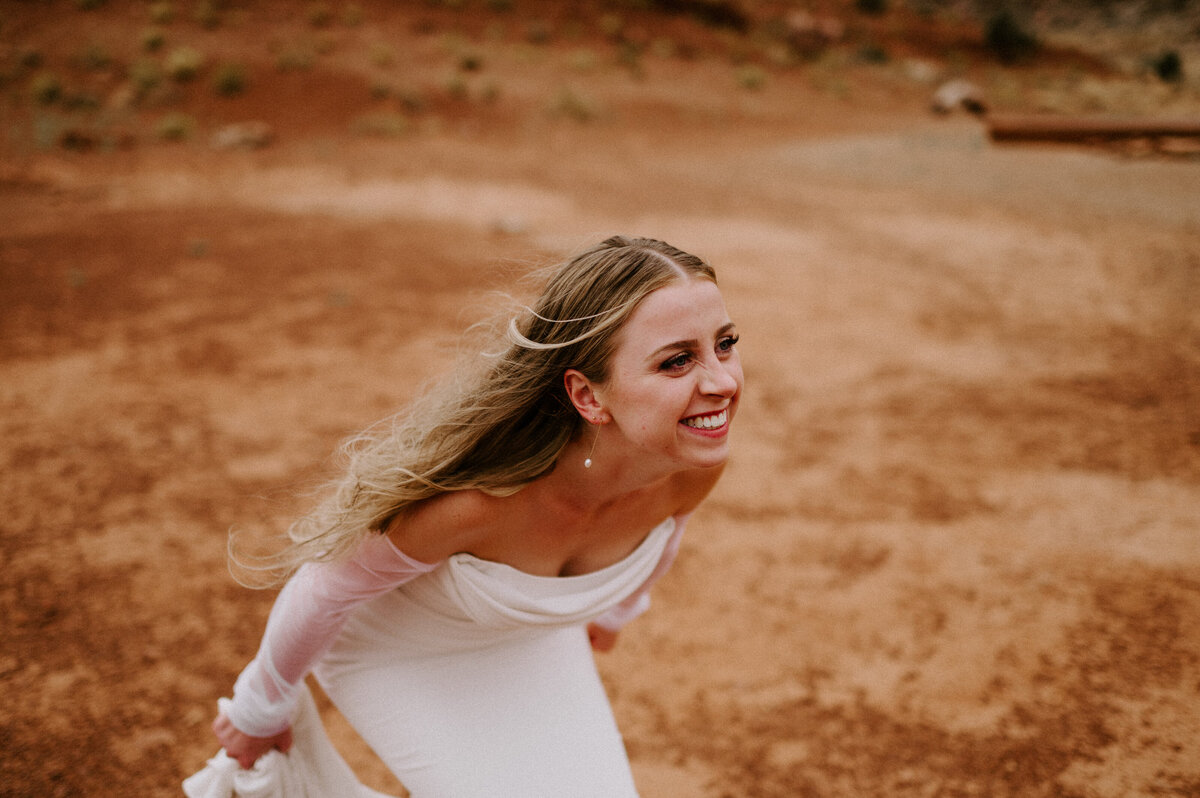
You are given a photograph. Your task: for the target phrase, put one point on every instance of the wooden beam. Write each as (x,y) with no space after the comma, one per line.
(1022,127)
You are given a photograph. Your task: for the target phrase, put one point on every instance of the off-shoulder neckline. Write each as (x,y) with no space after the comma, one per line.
(463,556)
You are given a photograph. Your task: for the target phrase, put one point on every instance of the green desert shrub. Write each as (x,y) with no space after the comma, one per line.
(295,58)
(29,58)
(183,64)
(872,53)
(318,15)
(664,47)
(352,15)
(144,75)
(572,104)
(82,100)
(94,57)
(583,60)
(1008,40)
(412,100)
(456,87)
(207,15)
(324,43)
(752,77)
(45,88)
(629,56)
(153,39)
(538,31)
(230,80)
(381,55)
(46,130)
(470,62)
(612,26)
(162,13)
(175,126)
(1168,66)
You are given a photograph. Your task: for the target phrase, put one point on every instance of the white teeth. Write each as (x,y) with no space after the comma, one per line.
(708,422)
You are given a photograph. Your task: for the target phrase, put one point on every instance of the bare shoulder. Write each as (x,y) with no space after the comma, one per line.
(438,527)
(690,488)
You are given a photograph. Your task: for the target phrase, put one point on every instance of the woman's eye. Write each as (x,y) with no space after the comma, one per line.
(677,362)
(727,343)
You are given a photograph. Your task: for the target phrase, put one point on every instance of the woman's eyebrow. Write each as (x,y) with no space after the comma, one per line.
(690,343)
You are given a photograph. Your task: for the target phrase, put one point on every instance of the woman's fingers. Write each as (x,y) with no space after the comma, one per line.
(244,748)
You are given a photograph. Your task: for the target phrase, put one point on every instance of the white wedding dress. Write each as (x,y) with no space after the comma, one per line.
(474,680)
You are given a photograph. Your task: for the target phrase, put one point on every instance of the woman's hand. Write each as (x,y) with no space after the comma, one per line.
(244,748)
(601,639)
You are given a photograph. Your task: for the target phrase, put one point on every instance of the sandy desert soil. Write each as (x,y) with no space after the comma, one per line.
(957,552)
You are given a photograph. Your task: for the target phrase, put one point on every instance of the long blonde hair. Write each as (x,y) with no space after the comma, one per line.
(506,427)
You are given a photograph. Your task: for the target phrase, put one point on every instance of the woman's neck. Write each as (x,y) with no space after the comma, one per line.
(608,480)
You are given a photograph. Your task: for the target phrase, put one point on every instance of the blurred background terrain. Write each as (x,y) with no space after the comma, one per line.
(956,553)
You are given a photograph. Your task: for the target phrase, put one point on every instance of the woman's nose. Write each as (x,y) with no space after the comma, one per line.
(718,379)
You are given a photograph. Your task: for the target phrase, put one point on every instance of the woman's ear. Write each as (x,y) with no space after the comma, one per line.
(582,394)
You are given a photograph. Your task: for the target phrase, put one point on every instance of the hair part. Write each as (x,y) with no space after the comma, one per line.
(505,427)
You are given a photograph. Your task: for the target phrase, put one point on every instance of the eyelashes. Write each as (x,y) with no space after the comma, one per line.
(681,361)
(676,362)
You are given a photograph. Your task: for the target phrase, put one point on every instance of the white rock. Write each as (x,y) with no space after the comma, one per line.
(244,135)
(919,70)
(958,93)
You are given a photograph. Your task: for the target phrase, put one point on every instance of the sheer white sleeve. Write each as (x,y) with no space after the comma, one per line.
(303,624)
(639,601)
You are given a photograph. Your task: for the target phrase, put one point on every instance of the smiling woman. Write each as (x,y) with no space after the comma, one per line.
(674,382)
(446,592)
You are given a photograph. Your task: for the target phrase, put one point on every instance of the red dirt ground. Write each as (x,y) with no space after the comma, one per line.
(957,552)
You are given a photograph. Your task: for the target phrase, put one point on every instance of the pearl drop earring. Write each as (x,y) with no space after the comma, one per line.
(588,462)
